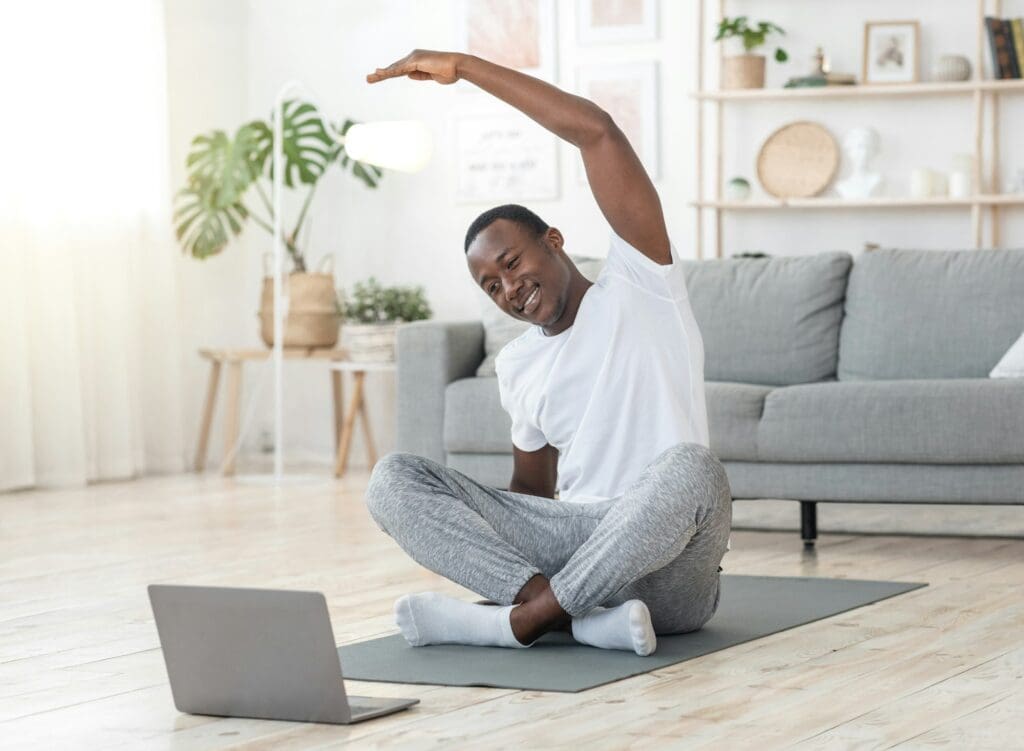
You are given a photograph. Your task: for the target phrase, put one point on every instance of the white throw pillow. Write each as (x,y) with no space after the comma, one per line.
(1012,364)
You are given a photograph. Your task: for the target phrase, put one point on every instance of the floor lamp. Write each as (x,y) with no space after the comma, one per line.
(404,146)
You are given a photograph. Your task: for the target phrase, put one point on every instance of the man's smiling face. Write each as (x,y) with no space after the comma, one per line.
(524,274)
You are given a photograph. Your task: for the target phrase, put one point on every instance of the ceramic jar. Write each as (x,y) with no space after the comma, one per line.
(952,68)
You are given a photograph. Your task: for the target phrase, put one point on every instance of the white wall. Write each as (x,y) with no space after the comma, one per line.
(229,58)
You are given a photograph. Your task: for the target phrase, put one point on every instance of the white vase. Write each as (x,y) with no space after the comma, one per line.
(370,342)
(952,68)
(921,183)
(960,185)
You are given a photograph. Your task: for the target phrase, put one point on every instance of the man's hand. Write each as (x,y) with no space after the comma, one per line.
(422,65)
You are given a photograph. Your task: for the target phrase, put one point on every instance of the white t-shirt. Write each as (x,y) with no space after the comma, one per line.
(619,386)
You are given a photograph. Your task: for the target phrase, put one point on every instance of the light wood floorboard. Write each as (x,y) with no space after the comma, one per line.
(80,667)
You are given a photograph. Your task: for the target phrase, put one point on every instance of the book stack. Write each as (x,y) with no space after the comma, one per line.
(1006,40)
(821,79)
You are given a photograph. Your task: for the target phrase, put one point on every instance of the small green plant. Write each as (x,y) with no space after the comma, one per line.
(370,302)
(752,37)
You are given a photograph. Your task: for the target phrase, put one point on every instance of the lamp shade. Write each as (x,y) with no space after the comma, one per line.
(403,145)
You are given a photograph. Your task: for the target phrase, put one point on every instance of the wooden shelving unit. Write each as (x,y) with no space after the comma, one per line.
(866,90)
(982,91)
(938,202)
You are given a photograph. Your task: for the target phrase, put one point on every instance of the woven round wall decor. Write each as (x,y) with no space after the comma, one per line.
(798,160)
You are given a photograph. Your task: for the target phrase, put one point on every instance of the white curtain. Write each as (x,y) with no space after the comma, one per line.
(90,377)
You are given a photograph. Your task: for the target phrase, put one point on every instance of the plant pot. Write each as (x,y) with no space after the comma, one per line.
(370,342)
(312,321)
(743,72)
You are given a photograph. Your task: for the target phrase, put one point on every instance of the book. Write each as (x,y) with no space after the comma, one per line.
(999,44)
(840,79)
(829,79)
(1017,26)
(1014,62)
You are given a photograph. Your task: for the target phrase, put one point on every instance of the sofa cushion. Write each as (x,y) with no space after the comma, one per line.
(931,314)
(928,421)
(474,421)
(771,321)
(734,410)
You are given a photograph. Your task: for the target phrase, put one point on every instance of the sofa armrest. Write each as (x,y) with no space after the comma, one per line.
(430,355)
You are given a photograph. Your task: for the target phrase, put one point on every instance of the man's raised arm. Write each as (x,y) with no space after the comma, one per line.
(620,185)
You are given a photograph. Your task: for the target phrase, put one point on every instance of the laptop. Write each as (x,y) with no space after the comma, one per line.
(262,653)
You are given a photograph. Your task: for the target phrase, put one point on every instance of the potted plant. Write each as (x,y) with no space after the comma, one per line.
(226,175)
(746,71)
(372,314)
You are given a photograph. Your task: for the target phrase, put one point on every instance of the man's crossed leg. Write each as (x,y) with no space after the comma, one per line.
(615,572)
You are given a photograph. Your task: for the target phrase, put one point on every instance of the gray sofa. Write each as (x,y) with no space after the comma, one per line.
(827,380)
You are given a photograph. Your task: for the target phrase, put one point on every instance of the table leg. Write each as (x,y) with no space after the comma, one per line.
(371,451)
(338,395)
(348,425)
(207,419)
(231,415)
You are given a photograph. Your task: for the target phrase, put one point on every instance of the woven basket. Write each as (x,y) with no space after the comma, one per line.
(743,72)
(312,320)
(798,160)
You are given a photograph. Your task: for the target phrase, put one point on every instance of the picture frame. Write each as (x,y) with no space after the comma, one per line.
(519,34)
(504,157)
(629,93)
(610,21)
(891,53)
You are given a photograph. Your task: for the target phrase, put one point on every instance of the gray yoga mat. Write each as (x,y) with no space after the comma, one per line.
(750,607)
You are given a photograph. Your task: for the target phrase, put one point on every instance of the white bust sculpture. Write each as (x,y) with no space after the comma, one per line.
(860,145)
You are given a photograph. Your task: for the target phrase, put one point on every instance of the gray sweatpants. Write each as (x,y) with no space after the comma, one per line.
(661,541)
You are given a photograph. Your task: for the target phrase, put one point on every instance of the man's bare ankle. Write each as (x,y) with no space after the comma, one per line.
(533,589)
(534,618)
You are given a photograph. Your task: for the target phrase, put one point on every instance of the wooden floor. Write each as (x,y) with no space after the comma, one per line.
(941,667)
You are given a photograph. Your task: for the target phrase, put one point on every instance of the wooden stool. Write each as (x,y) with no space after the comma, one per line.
(356,406)
(233,359)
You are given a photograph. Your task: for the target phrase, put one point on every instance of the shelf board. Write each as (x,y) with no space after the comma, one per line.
(865,90)
(862,203)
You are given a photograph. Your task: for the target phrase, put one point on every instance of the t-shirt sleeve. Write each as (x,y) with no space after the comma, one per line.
(525,435)
(666,280)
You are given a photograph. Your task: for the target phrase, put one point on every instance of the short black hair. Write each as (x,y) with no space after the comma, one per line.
(511,211)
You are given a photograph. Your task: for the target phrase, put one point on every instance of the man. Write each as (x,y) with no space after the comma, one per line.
(606,395)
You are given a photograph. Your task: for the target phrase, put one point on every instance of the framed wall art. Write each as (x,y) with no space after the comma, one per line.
(629,93)
(609,21)
(891,52)
(503,158)
(518,34)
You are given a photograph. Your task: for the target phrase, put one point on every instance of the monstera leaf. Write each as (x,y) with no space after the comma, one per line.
(203,226)
(210,210)
(306,145)
(225,166)
(257,141)
(369,174)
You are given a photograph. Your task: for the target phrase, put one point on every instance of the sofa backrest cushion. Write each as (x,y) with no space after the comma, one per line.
(772,321)
(931,314)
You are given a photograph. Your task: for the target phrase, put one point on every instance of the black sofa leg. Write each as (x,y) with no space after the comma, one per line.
(809,522)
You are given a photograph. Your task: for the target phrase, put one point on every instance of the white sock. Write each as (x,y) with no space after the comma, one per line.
(433,618)
(627,626)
